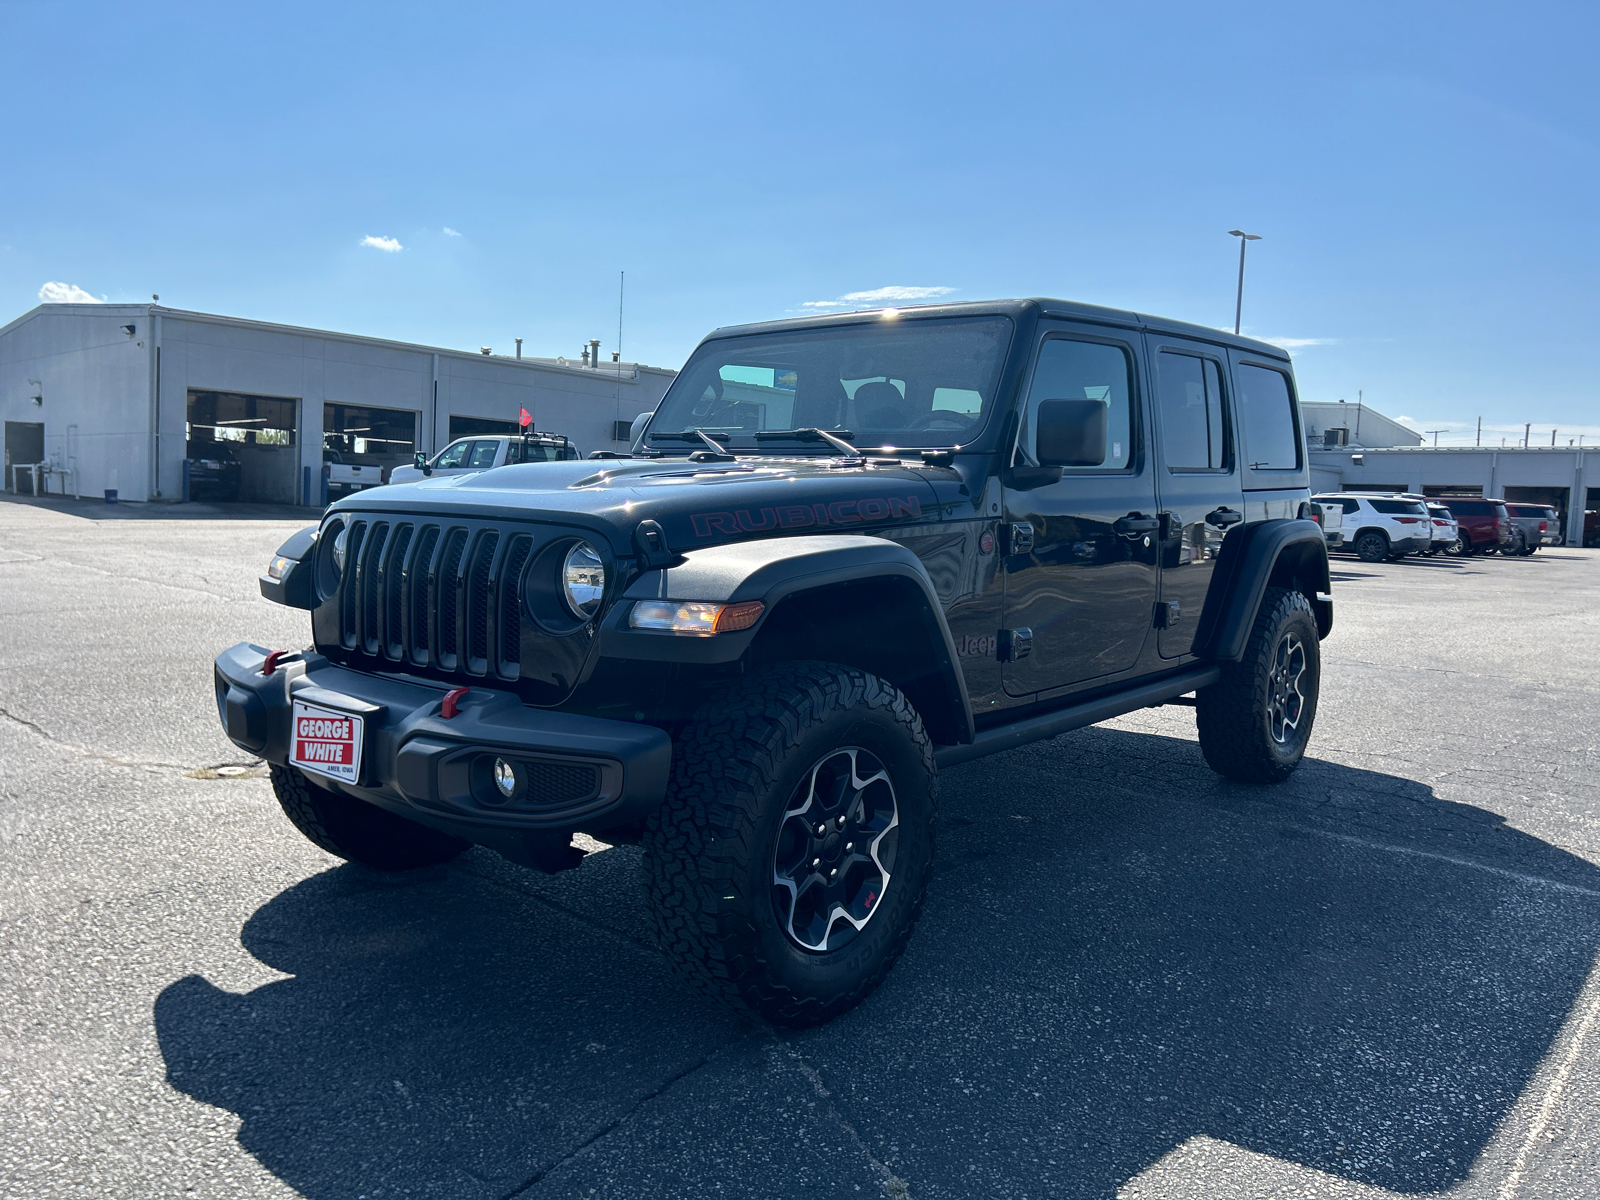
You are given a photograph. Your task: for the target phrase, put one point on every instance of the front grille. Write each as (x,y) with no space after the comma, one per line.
(435,596)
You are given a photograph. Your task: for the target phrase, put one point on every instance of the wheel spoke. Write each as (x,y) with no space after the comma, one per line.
(834,855)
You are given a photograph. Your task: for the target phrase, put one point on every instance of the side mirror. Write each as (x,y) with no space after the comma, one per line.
(1071,433)
(420,461)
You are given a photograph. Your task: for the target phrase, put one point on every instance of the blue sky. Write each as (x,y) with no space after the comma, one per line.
(1424,177)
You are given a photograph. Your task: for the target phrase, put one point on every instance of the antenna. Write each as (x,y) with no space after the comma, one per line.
(616,412)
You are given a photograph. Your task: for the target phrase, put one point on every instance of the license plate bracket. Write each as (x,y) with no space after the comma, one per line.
(326,741)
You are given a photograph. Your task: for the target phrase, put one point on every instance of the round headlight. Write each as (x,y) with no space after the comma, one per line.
(338,548)
(583,580)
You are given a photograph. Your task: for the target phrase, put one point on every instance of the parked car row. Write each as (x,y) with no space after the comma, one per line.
(1389,526)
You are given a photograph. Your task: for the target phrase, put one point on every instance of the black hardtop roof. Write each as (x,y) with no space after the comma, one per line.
(1038,306)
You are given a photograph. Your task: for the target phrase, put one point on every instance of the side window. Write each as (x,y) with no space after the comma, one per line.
(1194,426)
(1073,370)
(453,456)
(514,451)
(483,454)
(1267,417)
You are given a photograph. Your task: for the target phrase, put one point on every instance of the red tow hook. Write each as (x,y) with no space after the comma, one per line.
(448,708)
(271,664)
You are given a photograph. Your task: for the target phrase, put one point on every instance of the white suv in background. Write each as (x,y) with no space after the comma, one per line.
(1446,533)
(1377,527)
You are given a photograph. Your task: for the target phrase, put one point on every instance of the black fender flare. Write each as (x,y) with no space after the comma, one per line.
(293,588)
(1254,556)
(776,570)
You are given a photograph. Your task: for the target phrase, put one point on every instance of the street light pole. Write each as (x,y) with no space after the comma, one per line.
(1238,304)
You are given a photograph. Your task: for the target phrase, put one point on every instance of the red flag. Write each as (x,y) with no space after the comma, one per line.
(524,417)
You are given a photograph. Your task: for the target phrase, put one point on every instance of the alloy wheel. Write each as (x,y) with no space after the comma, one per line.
(835,850)
(1285,700)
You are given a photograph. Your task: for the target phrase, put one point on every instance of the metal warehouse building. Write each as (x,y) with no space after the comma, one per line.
(117,396)
(1354,449)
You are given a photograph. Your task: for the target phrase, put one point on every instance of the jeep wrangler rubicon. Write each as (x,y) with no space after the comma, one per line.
(845,552)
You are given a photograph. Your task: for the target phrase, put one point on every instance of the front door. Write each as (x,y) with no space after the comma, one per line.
(1201,496)
(1080,560)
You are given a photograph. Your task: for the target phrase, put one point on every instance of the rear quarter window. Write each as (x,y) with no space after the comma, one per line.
(1268,418)
(1468,508)
(1407,508)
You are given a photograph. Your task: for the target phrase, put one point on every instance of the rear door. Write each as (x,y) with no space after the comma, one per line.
(1080,571)
(1198,478)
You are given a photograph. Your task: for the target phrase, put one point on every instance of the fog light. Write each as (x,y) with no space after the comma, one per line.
(505,777)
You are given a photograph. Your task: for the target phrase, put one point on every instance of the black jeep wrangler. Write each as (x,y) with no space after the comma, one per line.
(845,552)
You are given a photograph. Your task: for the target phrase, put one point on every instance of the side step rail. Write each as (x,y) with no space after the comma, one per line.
(1076,716)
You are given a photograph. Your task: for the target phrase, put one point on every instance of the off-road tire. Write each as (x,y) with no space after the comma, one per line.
(1372,547)
(708,859)
(1234,715)
(360,832)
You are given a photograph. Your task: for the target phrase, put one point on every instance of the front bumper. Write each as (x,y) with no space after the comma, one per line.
(578,772)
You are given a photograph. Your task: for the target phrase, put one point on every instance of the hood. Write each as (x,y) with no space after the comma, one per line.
(697,504)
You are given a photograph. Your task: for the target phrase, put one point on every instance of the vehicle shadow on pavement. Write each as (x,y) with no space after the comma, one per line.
(1120,953)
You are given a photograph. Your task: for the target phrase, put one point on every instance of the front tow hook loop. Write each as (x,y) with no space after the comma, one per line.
(451,699)
(272,661)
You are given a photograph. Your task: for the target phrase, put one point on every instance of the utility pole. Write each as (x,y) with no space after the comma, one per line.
(1479,442)
(1436,433)
(1526,430)
(1238,303)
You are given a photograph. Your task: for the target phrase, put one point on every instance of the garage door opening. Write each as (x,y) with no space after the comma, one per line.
(359,436)
(241,448)
(461,427)
(1555,497)
(24,444)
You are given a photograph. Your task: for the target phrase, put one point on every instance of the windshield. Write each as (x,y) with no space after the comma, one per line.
(891,383)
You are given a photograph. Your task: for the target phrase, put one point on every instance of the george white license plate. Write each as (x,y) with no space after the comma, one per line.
(326,742)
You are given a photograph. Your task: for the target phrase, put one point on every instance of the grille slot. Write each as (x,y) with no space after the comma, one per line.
(348,586)
(394,590)
(511,605)
(478,595)
(421,572)
(445,595)
(367,582)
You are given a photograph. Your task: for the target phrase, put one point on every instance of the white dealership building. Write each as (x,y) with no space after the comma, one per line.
(99,397)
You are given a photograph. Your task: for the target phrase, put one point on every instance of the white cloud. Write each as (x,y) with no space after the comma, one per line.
(879,295)
(875,296)
(387,244)
(448,232)
(66,293)
(1298,343)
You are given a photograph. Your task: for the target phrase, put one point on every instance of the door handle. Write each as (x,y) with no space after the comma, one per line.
(1136,523)
(1223,517)
(1016,537)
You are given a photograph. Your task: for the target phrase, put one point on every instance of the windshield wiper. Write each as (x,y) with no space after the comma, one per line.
(834,439)
(690,435)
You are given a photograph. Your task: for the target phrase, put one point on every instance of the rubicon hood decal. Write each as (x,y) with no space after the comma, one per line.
(863,510)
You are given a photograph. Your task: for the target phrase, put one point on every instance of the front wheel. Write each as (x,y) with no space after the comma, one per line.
(360,832)
(1255,721)
(788,865)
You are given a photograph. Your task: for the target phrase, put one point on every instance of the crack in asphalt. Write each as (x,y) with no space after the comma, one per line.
(892,1184)
(606,1128)
(117,760)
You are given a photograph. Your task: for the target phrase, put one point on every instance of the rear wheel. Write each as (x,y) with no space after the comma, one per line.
(1255,722)
(1372,547)
(358,831)
(1460,547)
(788,865)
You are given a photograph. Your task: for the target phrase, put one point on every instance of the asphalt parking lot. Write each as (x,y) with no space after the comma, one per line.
(1132,979)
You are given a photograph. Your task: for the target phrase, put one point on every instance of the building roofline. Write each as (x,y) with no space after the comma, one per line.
(531,363)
